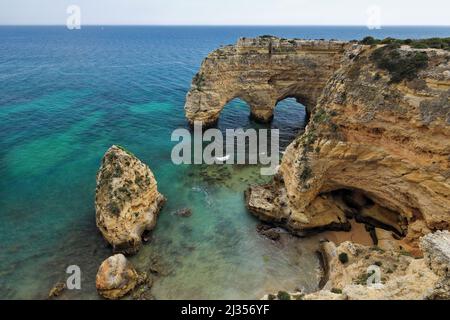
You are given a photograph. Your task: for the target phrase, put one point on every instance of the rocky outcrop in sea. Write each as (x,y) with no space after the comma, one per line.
(116,277)
(127,200)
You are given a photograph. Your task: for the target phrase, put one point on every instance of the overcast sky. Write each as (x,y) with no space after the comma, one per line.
(227,12)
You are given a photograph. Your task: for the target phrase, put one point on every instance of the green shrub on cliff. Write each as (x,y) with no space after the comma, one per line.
(336,291)
(321,115)
(401,65)
(306,173)
(125,150)
(403,252)
(283,295)
(434,43)
(369,41)
(343,257)
(199,81)
(377,248)
(363,277)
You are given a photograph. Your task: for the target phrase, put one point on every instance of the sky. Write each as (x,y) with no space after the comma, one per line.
(227,12)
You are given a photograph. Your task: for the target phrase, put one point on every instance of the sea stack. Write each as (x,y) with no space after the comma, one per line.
(127,200)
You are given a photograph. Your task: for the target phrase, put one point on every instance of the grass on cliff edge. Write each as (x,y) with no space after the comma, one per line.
(401,65)
(431,43)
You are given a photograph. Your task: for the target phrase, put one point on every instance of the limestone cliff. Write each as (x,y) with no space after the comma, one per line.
(377,148)
(261,72)
(127,200)
(400,276)
(357,272)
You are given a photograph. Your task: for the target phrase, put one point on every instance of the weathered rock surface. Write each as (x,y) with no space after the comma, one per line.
(268,232)
(436,249)
(116,277)
(269,203)
(374,149)
(127,201)
(401,276)
(262,72)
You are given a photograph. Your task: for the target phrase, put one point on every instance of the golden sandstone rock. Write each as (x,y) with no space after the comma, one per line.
(372,134)
(127,200)
(369,136)
(376,149)
(262,72)
(401,276)
(357,272)
(116,277)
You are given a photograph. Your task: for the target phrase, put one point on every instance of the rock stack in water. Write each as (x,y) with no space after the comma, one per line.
(127,200)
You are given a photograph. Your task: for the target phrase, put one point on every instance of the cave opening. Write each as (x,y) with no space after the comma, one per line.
(361,206)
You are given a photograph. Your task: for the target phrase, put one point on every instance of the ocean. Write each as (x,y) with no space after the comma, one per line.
(67,95)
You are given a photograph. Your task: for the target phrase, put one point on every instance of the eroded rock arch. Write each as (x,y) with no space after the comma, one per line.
(375,149)
(262,72)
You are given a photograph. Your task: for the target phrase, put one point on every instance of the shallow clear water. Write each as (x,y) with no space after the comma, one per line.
(66,96)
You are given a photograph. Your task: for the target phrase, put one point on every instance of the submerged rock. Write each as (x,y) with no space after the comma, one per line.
(185,212)
(283,295)
(57,290)
(143,290)
(143,294)
(116,277)
(127,200)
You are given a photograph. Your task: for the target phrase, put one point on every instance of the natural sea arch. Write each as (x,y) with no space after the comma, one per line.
(290,119)
(235,114)
(262,72)
(288,113)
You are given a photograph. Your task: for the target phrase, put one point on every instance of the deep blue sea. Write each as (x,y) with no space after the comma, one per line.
(67,96)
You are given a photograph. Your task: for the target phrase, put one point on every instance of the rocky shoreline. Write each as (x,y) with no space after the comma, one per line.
(372,127)
(373,164)
(376,146)
(357,272)
(376,149)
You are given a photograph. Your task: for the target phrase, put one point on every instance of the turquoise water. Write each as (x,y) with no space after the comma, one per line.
(66,96)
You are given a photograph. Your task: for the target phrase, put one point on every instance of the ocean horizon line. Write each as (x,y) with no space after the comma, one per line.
(224,25)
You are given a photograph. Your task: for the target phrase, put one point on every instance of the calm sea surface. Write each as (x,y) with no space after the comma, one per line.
(66,96)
